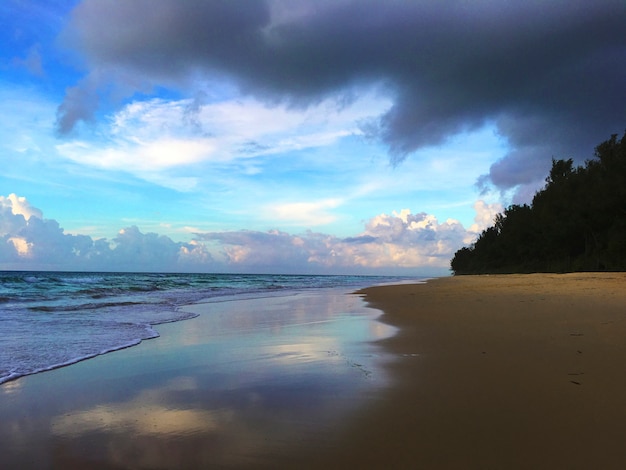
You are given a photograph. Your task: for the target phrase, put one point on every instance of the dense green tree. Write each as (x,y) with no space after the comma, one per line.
(577,222)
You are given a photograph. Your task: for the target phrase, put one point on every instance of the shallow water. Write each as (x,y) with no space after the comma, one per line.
(247,383)
(51,319)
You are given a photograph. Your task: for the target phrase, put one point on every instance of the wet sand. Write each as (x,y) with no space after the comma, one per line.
(485,372)
(252,383)
(496,372)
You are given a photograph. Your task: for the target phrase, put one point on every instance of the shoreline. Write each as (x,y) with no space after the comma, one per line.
(485,372)
(249,383)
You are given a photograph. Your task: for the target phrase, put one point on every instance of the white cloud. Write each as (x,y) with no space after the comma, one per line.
(138,156)
(389,242)
(39,243)
(405,240)
(398,241)
(149,137)
(152,161)
(22,247)
(305,213)
(19,206)
(485,215)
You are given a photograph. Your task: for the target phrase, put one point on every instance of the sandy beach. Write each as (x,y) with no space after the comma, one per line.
(483,372)
(493,372)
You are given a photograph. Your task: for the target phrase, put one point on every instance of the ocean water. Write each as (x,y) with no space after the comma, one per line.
(53,319)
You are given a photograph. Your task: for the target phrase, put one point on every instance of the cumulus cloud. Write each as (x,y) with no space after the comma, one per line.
(30,241)
(550,75)
(485,216)
(19,206)
(396,242)
(250,250)
(404,239)
(28,238)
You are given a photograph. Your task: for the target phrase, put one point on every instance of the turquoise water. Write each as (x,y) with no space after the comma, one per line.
(52,319)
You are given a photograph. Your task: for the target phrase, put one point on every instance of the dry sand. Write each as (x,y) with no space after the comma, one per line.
(500,372)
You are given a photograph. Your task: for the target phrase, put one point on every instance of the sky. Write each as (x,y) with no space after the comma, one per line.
(290,136)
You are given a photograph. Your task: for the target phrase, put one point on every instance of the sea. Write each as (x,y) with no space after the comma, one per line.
(54,319)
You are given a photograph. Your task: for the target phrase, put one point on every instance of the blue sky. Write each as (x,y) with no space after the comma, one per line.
(288,136)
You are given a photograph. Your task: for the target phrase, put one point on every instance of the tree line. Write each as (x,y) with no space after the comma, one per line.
(577,222)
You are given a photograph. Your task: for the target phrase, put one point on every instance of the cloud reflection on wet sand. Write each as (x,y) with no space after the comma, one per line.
(244,384)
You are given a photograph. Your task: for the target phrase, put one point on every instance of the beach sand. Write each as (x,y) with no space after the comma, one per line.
(501,372)
(484,372)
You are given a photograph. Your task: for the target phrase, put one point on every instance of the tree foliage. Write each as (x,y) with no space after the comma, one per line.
(577,222)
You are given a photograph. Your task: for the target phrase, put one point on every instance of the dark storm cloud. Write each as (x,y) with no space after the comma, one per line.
(550,75)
